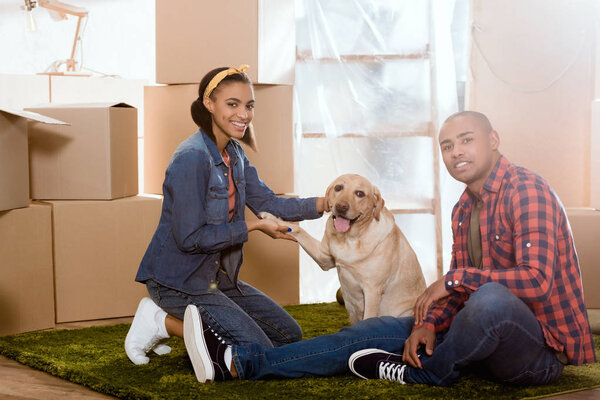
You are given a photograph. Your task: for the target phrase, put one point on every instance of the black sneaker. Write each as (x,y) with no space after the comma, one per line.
(377,364)
(205,348)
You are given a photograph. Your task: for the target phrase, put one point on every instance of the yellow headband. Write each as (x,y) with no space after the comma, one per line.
(214,82)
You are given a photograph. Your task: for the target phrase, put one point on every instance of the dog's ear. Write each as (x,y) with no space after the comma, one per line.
(328,198)
(379,203)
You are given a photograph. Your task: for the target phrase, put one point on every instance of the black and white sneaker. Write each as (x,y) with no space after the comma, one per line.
(377,364)
(205,348)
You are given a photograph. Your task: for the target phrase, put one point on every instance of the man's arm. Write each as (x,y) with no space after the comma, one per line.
(440,314)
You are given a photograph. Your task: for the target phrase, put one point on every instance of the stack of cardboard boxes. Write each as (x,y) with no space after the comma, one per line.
(72,254)
(26,287)
(193,38)
(585,225)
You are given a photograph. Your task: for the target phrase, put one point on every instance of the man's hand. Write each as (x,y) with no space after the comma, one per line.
(435,291)
(418,337)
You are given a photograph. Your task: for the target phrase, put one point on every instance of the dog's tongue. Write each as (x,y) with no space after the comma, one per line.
(341,224)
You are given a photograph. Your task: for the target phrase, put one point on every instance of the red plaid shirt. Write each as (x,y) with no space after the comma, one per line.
(526,246)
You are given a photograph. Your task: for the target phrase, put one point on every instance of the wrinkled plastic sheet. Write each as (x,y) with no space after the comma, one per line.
(364,103)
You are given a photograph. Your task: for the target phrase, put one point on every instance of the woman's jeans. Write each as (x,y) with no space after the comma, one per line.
(242,316)
(495,329)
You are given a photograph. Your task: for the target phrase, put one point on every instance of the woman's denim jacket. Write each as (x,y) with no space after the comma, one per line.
(194,239)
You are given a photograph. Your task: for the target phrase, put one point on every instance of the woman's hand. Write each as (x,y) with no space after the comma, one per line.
(271,228)
(321,204)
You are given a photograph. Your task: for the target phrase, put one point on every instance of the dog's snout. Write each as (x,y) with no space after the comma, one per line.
(342,207)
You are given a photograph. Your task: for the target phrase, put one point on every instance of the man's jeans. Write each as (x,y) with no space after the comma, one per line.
(239,318)
(495,329)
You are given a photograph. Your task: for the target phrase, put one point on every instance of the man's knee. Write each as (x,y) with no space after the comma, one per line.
(491,299)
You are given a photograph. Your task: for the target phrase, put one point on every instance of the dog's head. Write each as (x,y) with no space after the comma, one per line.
(352,199)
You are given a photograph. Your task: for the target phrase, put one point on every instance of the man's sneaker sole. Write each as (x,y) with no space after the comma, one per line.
(193,336)
(361,353)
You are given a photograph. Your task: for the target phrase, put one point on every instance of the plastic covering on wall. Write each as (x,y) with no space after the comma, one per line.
(374,78)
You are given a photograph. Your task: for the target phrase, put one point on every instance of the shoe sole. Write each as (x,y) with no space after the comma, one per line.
(193,337)
(358,354)
(134,327)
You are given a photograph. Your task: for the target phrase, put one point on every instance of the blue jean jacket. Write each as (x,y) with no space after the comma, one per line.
(194,238)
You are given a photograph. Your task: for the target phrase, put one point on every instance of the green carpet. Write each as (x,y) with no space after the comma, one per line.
(94,357)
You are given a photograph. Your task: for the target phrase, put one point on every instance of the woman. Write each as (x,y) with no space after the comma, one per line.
(196,252)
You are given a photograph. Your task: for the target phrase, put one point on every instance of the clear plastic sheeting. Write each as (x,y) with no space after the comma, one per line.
(374,80)
(330,28)
(391,164)
(366,98)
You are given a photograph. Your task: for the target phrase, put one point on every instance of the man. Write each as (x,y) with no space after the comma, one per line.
(513,259)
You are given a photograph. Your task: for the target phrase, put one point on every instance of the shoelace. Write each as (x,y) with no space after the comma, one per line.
(218,337)
(392,371)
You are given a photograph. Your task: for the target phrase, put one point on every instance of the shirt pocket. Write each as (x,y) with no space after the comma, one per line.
(502,249)
(217,205)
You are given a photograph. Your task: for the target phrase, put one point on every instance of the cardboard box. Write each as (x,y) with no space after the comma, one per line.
(90,89)
(272,266)
(98,246)
(585,224)
(196,36)
(168,122)
(27,286)
(93,158)
(14,157)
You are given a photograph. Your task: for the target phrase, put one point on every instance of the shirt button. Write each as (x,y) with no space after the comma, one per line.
(497,237)
(456,282)
(225,174)
(528,245)
(216,262)
(460,224)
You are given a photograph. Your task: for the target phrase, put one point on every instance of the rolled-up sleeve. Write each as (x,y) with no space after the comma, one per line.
(259,197)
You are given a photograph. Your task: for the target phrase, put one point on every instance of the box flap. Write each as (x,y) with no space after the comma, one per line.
(34,116)
(81,105)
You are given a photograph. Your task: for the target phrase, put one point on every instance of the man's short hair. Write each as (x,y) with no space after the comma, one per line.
(479,117)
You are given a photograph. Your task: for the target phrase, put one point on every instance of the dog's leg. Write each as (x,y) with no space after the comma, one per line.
(372,302)
(319,251)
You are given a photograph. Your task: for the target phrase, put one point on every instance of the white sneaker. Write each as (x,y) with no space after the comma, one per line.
(145,334)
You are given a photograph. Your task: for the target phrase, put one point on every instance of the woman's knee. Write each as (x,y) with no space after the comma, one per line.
(293,332)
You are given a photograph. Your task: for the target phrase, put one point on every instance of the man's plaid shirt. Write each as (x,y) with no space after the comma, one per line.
(527,246)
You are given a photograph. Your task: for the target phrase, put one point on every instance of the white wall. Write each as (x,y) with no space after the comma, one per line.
(118,39)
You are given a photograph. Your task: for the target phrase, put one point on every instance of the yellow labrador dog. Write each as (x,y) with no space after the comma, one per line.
(378,270)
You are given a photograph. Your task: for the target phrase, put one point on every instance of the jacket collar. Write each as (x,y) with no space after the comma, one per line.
(216,154)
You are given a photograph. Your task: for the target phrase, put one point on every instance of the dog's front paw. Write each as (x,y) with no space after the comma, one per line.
(294,227)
